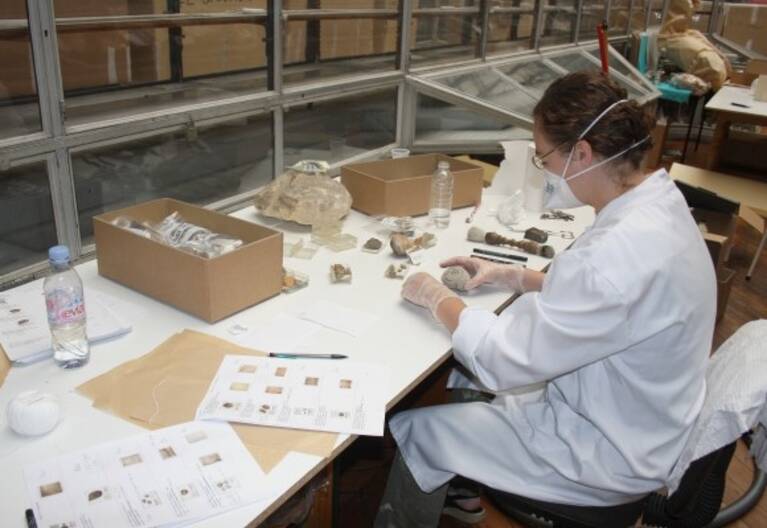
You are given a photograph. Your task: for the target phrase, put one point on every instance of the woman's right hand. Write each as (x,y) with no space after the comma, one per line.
(485,272)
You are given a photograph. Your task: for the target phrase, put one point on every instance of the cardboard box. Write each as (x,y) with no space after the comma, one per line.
(401,187)
(744,24)
(208,288)
(720,234)
(658,135)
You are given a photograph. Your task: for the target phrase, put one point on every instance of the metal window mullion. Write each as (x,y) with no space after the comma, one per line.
(407,107)
(50,89)
(405,25)
(664,10)
(275,27)
(538,25)
(484,11)
(647,15)
(46,63)
(278,129)
(61,181)
(578,16)
(713,19)
(630,14)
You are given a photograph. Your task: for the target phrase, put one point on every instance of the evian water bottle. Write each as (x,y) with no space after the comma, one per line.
(66,310)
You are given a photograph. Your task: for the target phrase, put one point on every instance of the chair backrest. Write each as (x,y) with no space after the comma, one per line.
(698,498)
(736,381)
(736,385)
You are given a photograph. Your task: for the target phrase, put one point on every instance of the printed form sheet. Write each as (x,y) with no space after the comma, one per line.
(24,332)
(316,394)
(171,476)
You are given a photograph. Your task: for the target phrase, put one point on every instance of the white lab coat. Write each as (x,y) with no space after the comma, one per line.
(620,331)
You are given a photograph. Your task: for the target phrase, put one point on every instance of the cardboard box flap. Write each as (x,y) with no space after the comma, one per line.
(406,168)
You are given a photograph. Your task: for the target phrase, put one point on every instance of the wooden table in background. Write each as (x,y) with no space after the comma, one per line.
(732,104)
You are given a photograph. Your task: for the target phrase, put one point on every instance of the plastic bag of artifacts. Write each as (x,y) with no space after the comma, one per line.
(174,231)
(293,280)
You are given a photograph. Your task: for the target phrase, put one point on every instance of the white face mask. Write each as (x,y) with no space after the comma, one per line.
(557,193)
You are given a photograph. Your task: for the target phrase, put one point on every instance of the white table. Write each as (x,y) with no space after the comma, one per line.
(405,338)
(732,104)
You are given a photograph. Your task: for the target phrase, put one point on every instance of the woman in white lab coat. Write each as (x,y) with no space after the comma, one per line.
(618,331)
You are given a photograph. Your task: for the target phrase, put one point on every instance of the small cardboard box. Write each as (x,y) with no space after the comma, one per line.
(210,288)
(401,187)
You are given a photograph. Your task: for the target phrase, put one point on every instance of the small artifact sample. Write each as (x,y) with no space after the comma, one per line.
(537,235)
(399,224)
(329,235)
(455,278)
(402,245)
(293,280)
(556,214)
(476,234)
(396,271)
(299,249)
(340,273)
(373,245)
(305,194)
(425,241)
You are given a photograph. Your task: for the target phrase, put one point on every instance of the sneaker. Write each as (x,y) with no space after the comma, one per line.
(456,511)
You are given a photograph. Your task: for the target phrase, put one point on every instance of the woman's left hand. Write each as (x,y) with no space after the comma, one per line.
(424,290)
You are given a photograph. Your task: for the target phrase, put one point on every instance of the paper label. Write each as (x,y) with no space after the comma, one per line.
(64,307)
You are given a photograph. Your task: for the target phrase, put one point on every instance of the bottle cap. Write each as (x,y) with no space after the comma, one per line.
(58,254)
(443,165)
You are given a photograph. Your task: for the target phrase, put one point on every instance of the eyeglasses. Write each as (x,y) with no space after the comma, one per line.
(538,160)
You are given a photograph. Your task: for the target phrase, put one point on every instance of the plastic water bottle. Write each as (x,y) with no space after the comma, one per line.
(441,202)
(65,302)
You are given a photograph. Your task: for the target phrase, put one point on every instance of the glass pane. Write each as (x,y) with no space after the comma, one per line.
(619,20)
(139,60)
(573,62)
(533,76)
(492,86)
(619,66)
(441,36)
(592,14)
(339,129)
(199,166)
(27,227)
(438,121)
(331,47)
(19,105)
(510,31)
(558,24)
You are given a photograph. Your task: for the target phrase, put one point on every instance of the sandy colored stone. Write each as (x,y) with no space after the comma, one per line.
(455,278)
(303,197)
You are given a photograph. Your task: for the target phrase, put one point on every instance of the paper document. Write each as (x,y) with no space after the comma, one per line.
(337,317)
(181,473)
(282,334)
(317,394)
(24,332)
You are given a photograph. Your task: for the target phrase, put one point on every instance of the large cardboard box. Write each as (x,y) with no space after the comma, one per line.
(401,187)
(208,288)
(745,24)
